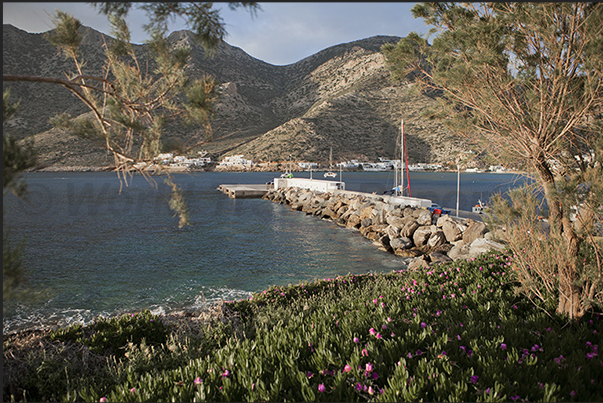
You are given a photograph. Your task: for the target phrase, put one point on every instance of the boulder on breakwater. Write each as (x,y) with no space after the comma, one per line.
(406,231)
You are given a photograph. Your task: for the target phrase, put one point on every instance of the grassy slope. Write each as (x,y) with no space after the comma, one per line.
(456,332)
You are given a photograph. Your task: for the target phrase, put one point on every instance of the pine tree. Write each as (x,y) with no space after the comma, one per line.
(526,81)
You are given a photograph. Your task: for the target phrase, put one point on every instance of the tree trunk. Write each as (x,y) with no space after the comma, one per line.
(567,273)
(570,294)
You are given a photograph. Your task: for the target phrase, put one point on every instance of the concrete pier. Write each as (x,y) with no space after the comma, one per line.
(245,191)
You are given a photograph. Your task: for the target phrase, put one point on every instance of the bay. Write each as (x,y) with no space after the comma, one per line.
(91,249)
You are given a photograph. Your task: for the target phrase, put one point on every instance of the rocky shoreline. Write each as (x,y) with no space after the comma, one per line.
(414,233)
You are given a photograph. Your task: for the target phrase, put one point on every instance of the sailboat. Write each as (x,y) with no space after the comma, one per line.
(288,172)
(330,174)
(399,189)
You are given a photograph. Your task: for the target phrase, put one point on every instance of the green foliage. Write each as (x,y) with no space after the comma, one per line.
(524,82)
(456,332)
(12,268)
(110,336)
(66,34)
(16,157)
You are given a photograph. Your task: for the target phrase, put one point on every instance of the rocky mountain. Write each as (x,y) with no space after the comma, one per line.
(340,98)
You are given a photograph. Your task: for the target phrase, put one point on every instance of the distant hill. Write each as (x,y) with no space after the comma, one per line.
(340,98)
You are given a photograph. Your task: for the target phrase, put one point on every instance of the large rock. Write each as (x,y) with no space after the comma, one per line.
(442,219)
(328,213)
(367,222)
(372,235)
(443,248)
(394,212)
(392,231)
(438,257)
(341,210)
(408,212)
(452,231)
(400,243)
(395,221)
(482,245)
(412,252)
(436,239)
(459,251)
(385,243)
(366,212)
(409,229)
(421,235)
(379,213)
(418,263)
(353,221)
(476,230)
(424,217)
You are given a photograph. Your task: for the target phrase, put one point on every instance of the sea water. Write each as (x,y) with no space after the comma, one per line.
(96,246)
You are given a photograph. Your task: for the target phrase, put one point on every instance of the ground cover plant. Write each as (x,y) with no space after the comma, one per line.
(454,332)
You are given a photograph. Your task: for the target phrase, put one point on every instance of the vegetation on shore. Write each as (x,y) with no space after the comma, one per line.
(454,332)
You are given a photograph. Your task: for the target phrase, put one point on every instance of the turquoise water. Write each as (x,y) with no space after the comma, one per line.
(91,250)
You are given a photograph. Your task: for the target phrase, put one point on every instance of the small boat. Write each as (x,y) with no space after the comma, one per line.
(289,172)
(330,174)
(478,208)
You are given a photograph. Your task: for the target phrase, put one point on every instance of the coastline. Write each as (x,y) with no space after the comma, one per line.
(272,167)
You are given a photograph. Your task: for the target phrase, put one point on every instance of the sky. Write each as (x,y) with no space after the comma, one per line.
(279,33)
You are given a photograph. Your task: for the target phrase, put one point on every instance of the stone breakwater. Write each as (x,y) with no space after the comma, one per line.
(409,232)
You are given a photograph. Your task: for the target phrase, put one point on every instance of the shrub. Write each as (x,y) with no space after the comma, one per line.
(111,335)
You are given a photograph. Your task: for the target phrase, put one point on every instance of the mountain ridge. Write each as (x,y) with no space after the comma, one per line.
(341,97)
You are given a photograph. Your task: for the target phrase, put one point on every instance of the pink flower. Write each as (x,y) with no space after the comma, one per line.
(104,399)
(132,390)
(369,367)
(423,325)
(474,379)
(372,331)
(370,390)
(198,381)
(503,346)
(356,340)
(321,388)
(364,352)
(225,373)
(378,335)
(347,368)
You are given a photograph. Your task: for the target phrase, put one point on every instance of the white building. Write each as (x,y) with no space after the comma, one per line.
(236,160)
(349,164)
(308,165)
(497,168)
